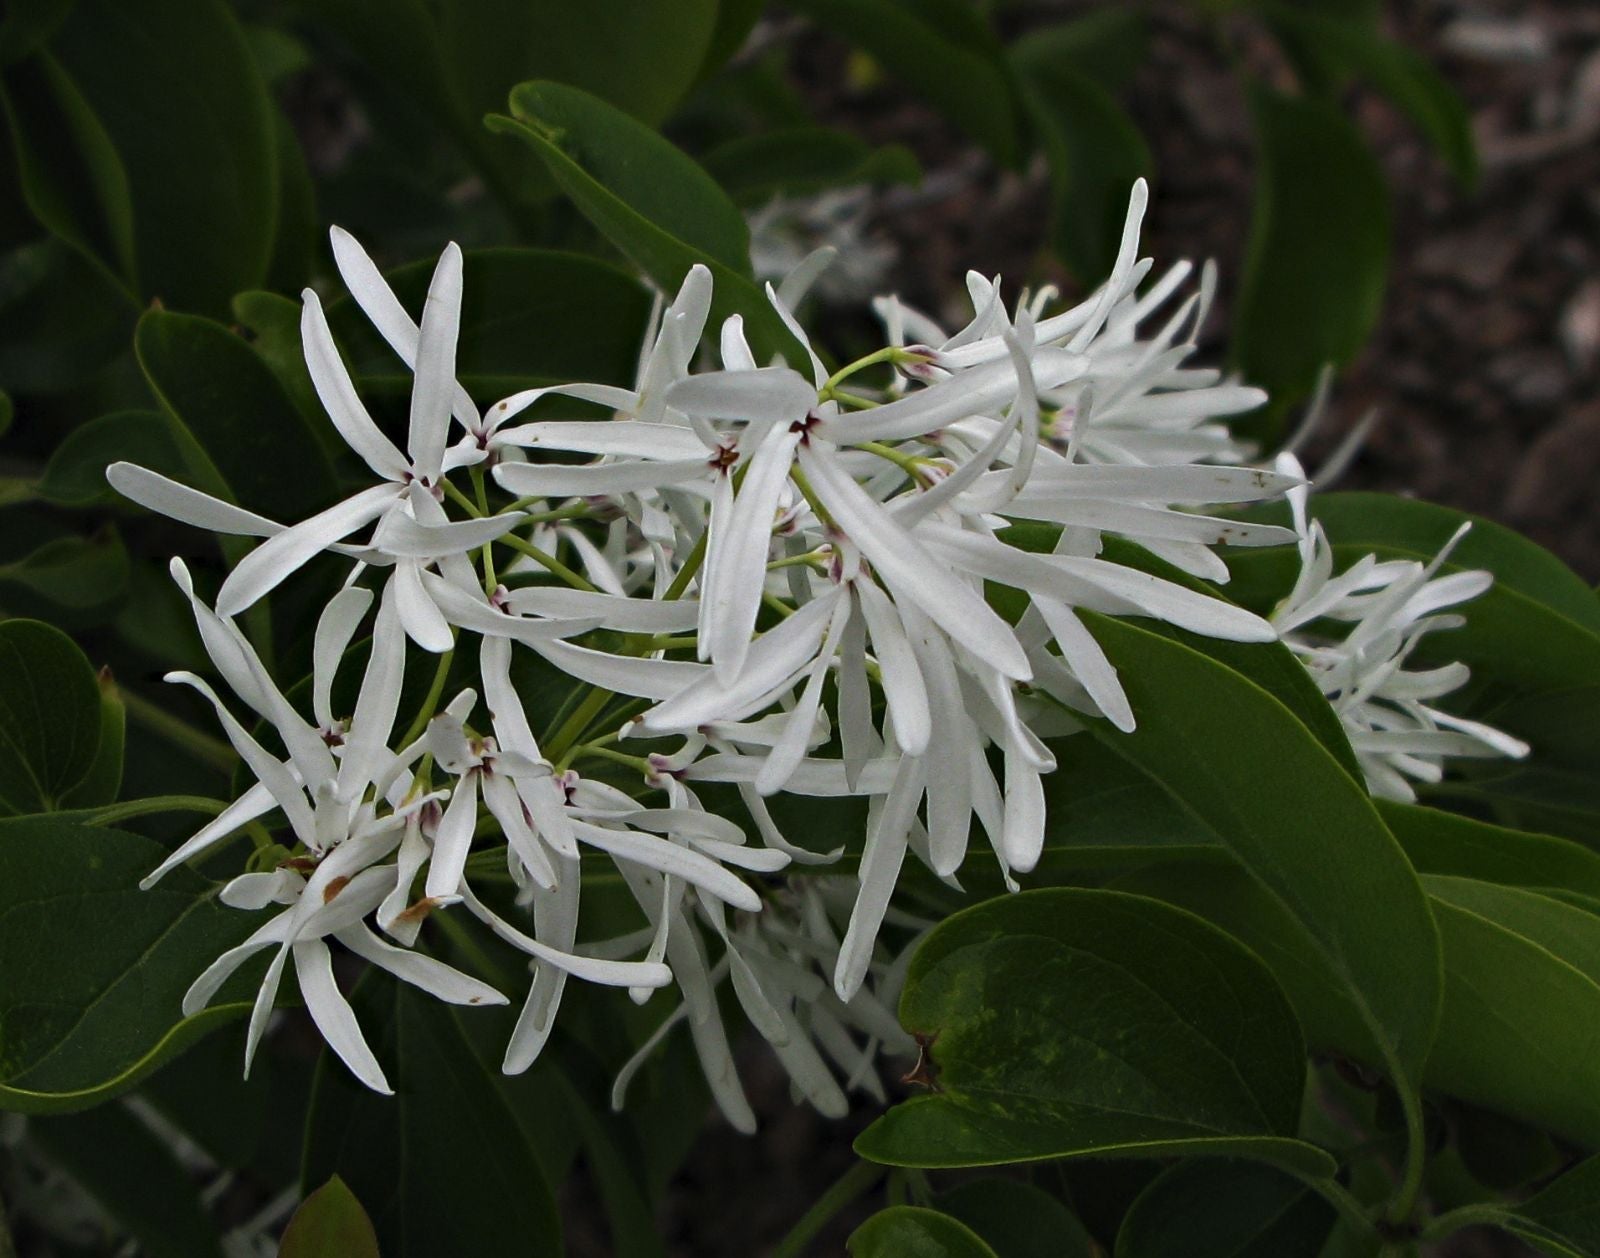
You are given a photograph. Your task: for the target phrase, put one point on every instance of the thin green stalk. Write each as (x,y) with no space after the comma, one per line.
(910,464)
(487,553)
(562,741)
(461,500)
(431,703)
(114,813)
(810,495)
(855,1182)
(210,751)
(885,355)
(691,566)
(1488,1213)
(548,561)
(1405,1198)
(602,752)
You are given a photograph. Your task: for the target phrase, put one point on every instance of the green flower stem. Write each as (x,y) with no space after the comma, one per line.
(573,511)
(1491,1213)
(431,703)
(1405,1198)
(564,739)
(548,561)
(810,495)
(855,1182)
(910,464)
(114,813)
(817,559)
(889,353)
(460,499)
(212,752)
(602,752)
(487,553)
(852,400)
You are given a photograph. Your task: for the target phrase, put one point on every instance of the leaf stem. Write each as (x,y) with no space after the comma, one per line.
(852,1184)
(548,561)
(210,751)
(113,813)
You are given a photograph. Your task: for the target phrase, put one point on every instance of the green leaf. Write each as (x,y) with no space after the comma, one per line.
(1017,1220)
(1071,1022)
(62,318)
(735,20)
(295,236)
(1417,89)
(75,475)
(1096,154)
(1522,1001)
(96,969)
(529,317)
(1318,252)
(71,175)
(944,52)
(75,574)
(271,323)
(182,104)
(1225,1210)
(442,1166)
(1564,1219)
(1108,44)
(915,1232)
(647,197)
(49,716)
(1444,843)
(28,23)
(131,1174)
(225,395)
(638,55)
(330,1223)
(801,161)
(1306,830)
(103,782)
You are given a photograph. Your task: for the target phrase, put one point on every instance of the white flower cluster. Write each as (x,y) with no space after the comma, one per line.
(776,580)
(1389,606)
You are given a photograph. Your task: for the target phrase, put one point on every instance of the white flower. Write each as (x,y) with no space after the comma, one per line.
(411,530)
(1389,607)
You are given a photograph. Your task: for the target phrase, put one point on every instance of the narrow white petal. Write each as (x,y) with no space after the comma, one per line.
(339,397)
(590,969)
(671,858)
(779,394)
(434,977)
(630,615)
(790,749)
(625,674)
(313,966)
(881,859)
(157,493)
(582,480)
(624,437)
(452,840)
(255,802)
(264,568)
(402,536)
(911,571)
(434,385)
(901,676)
(335,628)
(424,622)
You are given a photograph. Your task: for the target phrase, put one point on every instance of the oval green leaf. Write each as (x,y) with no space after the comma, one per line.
(1071,1022)
(1236,759)
(49,716)
(91,992)
(916,1232)
(329,1223)
(1218,1209)
(1017,1220)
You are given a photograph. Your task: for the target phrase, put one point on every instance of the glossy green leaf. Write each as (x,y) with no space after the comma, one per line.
(442,1166)
(1521,1019)
(1017,1220)
(1564,1219)
(297,230)
(210,380)
(133,1175)
(915,1232)
(1446,843)
(198,150)
(944,52)
(528,317)
(75,476)
(329,1223)
(647,197)
(735,20)
(1096,154)
(1410,81)
(49,716)
(1219,1209)
(96,969)
(1072,1022)
(1307,831)
(271,324)
(801,161)
(1318,252)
